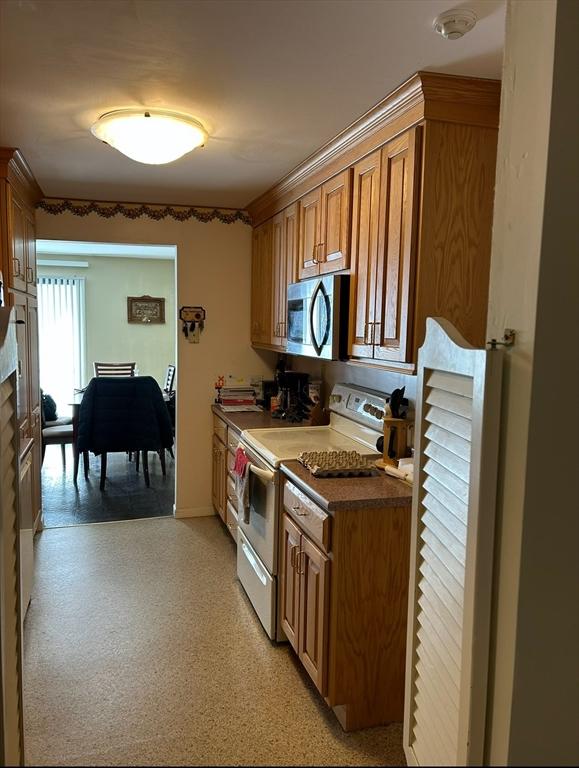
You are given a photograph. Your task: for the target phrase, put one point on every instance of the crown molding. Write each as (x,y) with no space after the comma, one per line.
(107,209)
(424,96)
(15,169)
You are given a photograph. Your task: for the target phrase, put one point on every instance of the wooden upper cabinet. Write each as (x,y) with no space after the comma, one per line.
(324,227)
(314,571)
(284,250)
(18,229)
(290,584)
(309,234)
(384,251)
(262,283)
(30,253)
(335,223)
(18,301)
(399,183)
(364,255)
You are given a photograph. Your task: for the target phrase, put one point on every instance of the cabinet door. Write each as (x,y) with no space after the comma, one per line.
(25,505)
(279,280)
(290,584)
(397,248)
(33,366)
(290,245)
(219,472)
(30,253)
(309,234)
(335,223)
(18,301)
(17,242)
(364,256)
(261,284)
(314,609)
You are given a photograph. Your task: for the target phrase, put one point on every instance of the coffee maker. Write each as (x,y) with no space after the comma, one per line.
(294,396)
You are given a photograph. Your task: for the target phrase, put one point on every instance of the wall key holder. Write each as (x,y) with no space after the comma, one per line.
(193,322)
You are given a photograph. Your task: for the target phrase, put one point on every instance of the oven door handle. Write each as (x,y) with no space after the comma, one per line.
(252,561)
(263,474)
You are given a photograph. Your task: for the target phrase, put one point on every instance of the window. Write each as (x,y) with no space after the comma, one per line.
(61,337)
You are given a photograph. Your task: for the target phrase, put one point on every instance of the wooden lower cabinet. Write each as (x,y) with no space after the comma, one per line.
(219,478)
(314,572)
(344,603)
(290,580)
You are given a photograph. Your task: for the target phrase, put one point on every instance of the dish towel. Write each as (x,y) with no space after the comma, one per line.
(241,473)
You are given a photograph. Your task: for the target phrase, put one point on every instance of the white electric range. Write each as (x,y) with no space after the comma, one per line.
(355,425)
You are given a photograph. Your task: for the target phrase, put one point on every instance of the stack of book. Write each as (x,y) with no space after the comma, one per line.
(237,396)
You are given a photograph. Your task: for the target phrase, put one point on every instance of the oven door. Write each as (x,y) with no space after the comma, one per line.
(260,524)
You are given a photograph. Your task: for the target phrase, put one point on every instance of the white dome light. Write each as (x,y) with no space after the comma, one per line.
(455,24)
(151,136)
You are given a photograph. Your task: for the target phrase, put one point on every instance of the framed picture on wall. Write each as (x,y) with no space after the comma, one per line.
(145,309)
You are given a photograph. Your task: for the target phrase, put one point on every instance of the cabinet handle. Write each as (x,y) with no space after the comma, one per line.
(374,332)
(29,271)
(366,324)
(299,562)
(19,368)
(16,262)
(314,259)
(298,511)
(293,551)
(321,245)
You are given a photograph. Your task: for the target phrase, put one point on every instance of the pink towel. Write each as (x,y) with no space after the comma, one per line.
(241,472)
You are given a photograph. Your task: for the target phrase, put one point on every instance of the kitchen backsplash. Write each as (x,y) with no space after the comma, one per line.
(332,372)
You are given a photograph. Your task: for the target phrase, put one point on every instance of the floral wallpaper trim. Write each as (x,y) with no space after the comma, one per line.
(56,206)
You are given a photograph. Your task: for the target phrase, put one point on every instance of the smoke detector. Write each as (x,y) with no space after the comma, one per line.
(455,24)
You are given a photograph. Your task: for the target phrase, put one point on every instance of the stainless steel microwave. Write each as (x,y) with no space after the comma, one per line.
(317,317)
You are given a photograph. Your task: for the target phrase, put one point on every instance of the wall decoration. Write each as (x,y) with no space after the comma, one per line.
(107,210)
(145,309)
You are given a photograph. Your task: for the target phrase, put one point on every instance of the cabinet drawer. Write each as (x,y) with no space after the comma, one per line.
(231,520)
(232,439)
(311,518)
(231,494)
(220,429)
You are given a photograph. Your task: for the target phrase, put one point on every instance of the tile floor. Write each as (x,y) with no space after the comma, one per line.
(141,648)
(125,497)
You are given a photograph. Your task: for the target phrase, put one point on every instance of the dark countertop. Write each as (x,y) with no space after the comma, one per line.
(338,493)
(241,420)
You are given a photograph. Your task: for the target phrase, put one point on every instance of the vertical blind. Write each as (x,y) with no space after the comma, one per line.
(61,337)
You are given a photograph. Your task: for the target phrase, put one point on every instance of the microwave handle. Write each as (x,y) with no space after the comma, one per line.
(319,292)
(263,474)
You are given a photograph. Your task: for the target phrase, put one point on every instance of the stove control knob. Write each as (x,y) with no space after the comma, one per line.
(372,410)
(379,414)
(367,408)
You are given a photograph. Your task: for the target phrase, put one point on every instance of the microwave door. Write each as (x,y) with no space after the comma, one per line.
(320,318)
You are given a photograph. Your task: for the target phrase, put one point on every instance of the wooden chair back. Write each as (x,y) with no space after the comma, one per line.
(114,369)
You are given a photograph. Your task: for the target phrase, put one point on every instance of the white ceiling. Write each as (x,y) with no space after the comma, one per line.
(272,80)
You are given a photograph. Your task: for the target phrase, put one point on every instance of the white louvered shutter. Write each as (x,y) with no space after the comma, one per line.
(453,510)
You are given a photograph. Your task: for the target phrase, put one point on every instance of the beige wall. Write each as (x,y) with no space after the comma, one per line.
(534,700)
(109,337)
(213,270)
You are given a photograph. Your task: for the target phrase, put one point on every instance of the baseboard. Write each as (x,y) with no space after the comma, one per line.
(193,512)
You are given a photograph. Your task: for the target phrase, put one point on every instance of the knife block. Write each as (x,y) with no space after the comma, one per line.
(399,442)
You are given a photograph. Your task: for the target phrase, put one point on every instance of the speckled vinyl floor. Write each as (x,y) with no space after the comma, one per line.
(142,649)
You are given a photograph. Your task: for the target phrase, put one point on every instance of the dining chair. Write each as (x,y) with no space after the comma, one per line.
(121,415)
(169,387)
(114,369)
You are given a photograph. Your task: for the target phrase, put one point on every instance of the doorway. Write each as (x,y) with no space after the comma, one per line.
(95,303)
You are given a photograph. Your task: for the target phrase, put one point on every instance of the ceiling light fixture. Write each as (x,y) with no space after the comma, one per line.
(454,24)
(152,136)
